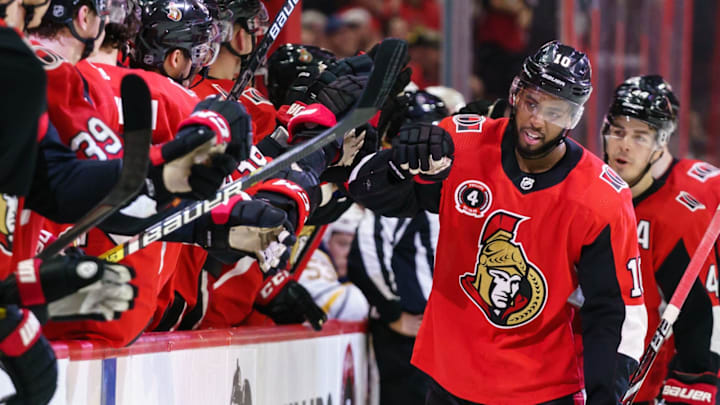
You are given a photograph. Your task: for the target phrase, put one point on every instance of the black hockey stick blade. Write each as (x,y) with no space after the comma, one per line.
(257,58)
(389,61)
(137,117)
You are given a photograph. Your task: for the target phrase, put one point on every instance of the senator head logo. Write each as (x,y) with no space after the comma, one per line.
(505,285)
(8,214)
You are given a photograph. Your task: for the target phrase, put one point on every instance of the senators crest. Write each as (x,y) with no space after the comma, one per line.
(505,285)
(8,215)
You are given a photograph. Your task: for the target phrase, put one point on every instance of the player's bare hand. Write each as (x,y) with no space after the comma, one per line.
(408,324)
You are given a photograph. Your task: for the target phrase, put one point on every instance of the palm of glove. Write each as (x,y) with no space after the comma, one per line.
(423,149)
(252,227)
(103,291)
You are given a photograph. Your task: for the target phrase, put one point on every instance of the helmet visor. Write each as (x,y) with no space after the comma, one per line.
(535,101)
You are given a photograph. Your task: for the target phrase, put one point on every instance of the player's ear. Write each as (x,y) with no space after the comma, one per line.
(173,62)
(82,20)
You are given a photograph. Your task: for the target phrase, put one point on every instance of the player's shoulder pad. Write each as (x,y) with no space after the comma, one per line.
(702,171)
(50,59)
(611,178)
(688,201)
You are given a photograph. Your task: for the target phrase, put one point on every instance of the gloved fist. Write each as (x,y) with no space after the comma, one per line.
(247,226)
(75,286)
(203,153)
(285,301)
(342,94)
(689,388)
(393,112)
(239,122)
(103,289)
(422,149)
(27,357)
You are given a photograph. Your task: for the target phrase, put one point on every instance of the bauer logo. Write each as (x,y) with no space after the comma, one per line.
(241,393)
(507,288)
(282,17)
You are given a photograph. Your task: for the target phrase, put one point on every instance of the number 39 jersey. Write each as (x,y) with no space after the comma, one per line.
(85,118)
(512,248)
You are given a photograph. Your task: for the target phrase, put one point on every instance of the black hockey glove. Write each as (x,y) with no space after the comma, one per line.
(287,302)
(679,386)
(247,227)
(75,287)
(239,121)
(308,85)
(342,94)
(422,149)
(27,357)
(203,153)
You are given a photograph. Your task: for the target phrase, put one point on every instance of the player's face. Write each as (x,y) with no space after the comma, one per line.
(540,119)
(630,146)
(504,288)
(339,248)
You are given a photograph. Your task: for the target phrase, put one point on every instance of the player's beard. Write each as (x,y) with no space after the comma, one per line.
(536,153)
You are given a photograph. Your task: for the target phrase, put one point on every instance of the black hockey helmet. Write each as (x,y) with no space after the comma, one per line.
(62,11)
(636,99)
(658,84)
(174,24)
(558,70)
(425,107)
(287,62)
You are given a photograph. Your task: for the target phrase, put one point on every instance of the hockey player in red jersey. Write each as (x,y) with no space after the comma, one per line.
(673,212)
(239,22)
(527,216)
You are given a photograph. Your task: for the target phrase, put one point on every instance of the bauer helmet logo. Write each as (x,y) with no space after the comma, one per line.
(507,288)
(174,13)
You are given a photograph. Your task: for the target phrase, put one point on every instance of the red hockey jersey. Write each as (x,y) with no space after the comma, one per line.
(261,110)
(512,249)
(671,223)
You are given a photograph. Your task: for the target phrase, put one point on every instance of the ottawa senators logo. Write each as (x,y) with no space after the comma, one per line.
(507,287)
(8,214)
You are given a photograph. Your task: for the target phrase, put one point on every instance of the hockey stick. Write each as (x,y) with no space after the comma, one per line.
(137,116)
(388,63)
(672,310)
(307,242)
(258,56)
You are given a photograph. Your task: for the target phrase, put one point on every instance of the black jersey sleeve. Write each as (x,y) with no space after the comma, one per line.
(603,313)
(375,186)
(694,326)
(64,187)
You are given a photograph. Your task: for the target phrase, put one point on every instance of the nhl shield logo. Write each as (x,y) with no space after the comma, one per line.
(508,289)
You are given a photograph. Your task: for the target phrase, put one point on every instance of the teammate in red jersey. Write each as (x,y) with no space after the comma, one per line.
(526,217)
(680,184)
(240,22)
